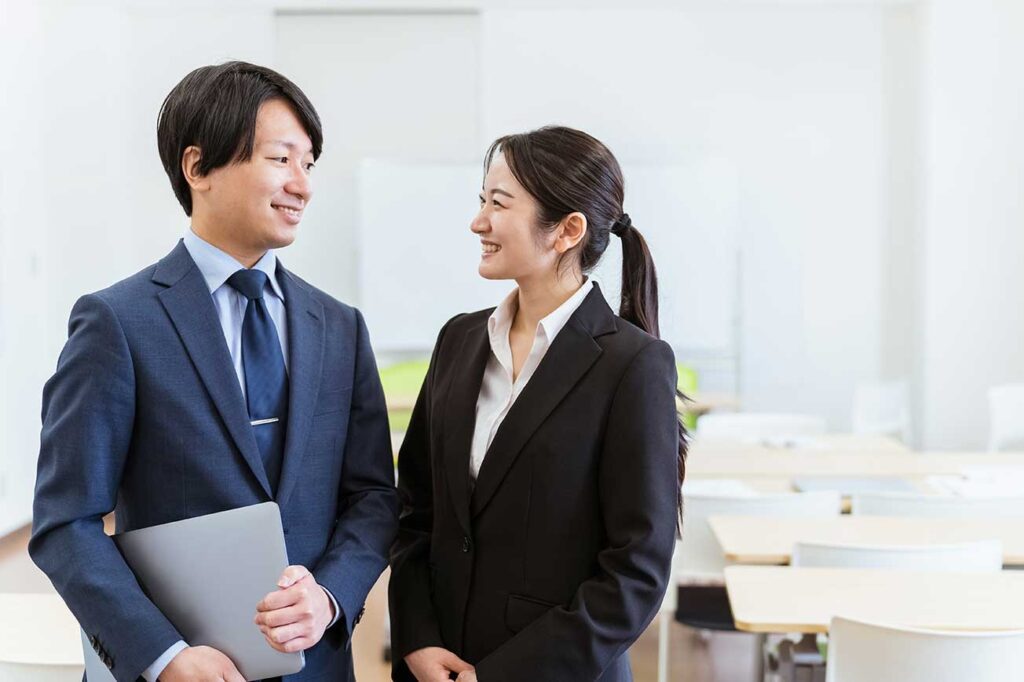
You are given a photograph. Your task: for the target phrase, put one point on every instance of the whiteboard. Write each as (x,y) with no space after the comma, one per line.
(418,258)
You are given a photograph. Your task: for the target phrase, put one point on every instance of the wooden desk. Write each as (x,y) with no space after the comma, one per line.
(782,599)
(774,463)
(38,628)
(767,541)
(825,443)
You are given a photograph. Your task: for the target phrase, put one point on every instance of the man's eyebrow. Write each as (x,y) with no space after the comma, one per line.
(290,145)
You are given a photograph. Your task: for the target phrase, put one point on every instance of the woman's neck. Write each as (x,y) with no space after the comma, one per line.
(538,299)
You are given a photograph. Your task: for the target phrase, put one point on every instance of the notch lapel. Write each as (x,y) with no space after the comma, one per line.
(570,356)
(188,302)
(305,362)
(460,417)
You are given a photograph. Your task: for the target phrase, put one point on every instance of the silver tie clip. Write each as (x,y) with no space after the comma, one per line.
(261,422)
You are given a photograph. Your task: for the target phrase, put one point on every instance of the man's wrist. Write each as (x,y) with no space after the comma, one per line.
(335,610)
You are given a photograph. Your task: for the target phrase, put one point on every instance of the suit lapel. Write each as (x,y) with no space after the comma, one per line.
(188,302)
(460,416)
(570,356)
(305,362)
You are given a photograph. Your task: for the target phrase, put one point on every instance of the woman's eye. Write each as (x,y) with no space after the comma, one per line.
(496,203)
(310,166)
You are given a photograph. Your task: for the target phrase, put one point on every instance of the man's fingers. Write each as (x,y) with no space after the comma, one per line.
(286,616)
(287,633)
(284,598)
(233,675)
(292,575)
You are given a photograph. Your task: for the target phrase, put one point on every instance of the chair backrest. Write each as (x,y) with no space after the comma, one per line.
(980,556)
(756,425)
(936,506)
(882,408)
(1006,417)
(699,553)
(865,652)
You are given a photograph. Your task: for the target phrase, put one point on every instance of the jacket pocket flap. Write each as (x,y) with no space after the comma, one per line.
(521,611)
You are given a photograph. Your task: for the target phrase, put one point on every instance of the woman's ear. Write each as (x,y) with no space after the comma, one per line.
(190,168)
(571,231)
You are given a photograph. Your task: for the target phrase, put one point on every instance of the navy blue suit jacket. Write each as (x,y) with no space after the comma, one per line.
(144,416)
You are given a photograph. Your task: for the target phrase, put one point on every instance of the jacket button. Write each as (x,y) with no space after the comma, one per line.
(466,545)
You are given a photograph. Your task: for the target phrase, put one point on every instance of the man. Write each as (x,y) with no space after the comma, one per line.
(217,379)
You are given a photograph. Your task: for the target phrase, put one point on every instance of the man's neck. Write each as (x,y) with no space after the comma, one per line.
(245,257)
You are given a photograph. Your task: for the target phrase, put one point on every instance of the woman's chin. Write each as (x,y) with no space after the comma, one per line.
(488,272)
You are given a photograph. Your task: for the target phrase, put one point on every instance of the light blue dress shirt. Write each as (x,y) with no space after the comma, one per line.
(216,266)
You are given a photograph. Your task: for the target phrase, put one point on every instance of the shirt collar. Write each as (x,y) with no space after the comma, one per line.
(216,265)
(500,321)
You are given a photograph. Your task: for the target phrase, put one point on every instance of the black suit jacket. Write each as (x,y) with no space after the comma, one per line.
(557,559)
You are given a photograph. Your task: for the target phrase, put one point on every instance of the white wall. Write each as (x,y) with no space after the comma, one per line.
(974,202)
(23,287)
(878,147)
(792,95)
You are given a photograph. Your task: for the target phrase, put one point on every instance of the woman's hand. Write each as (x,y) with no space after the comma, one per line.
(434,664)
(468,676)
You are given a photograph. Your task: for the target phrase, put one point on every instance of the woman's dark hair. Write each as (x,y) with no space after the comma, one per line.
(215,108)
(568,171)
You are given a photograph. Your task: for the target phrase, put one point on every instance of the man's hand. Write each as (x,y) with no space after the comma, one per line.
(200,664)
(434,664)
(294,617)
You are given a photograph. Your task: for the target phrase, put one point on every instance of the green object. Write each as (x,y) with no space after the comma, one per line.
(687,383)
(402,382)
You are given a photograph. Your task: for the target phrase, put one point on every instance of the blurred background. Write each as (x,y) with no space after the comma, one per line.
(833,189)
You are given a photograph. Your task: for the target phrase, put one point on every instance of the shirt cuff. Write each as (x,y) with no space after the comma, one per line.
(334,603)
(153,672)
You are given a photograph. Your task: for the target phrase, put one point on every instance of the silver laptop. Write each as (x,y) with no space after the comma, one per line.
(206,574)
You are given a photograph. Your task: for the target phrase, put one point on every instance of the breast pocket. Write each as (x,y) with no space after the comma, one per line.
(521,611)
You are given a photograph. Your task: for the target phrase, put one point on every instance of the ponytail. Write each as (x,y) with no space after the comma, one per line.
(639,305)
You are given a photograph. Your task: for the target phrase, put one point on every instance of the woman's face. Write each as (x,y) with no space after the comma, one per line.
(511,246)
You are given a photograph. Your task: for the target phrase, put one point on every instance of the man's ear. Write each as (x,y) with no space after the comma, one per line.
(571,231)
(190,168)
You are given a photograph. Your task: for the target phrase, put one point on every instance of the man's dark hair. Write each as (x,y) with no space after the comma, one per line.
(215,108)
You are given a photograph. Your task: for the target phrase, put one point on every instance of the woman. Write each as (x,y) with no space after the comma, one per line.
(541,472)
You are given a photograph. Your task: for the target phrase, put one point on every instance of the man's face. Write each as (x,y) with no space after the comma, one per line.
(256,205)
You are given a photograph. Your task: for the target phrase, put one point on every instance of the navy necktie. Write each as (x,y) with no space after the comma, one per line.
(266,382)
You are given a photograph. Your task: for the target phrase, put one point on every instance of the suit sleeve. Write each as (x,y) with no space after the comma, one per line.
(413,621)
(638,492)
(368,503)
(88,416)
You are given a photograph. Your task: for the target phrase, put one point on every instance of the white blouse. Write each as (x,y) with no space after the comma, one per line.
(497,390)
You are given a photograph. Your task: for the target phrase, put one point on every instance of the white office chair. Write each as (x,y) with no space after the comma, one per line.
(882,408)
(936,506)
(864,652)
(1006,417)
(39,640)
(752,426)
(698,556)
(980,556)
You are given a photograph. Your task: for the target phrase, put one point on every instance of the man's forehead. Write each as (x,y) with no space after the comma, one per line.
(305,146)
